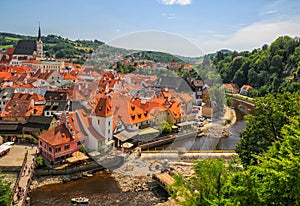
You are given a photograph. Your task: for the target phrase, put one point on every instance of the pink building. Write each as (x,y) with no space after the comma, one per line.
(58,144)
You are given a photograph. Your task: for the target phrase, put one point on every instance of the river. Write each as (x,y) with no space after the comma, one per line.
(103,190)
(209,143)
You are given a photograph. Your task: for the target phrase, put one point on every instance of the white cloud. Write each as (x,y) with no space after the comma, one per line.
(272,12)
(255,35)
(249,37)
(173,2)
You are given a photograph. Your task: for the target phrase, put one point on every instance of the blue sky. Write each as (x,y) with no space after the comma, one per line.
(209,24)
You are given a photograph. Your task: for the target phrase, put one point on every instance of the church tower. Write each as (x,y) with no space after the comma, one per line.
(102,120)
(39,44)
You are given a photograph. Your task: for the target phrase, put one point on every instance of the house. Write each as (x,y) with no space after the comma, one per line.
(58,144)
(11,131)
(5,96)
(93,141)
(245,89)
(56,103)
(173,82)
(207,110)
(176,112)
(56,95)
(56,107)
(7,57)
(36,125)
(174,65)
(102,120)
(231,88)
(198,87)
(22,106)
(50,76)
(44,65)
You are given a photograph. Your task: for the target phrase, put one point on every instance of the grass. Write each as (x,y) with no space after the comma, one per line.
(243,97)
(84,48)
(51,45)
(6,46)
(11,38)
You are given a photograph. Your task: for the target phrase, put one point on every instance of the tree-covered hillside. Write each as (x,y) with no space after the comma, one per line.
(157,56)
(54,46)
(270,69)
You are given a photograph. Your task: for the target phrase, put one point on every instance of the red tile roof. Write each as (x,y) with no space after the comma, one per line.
(57,135)
(104,107)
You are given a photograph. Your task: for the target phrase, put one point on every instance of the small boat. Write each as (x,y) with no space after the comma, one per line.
(86,174)
(80,200)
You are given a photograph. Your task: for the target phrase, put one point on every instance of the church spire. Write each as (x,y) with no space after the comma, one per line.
(39,38)
(39,44)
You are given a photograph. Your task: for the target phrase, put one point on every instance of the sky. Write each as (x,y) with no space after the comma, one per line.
(185,27)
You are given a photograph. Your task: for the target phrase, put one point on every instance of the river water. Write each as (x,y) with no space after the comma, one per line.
(103,190)
(210,143)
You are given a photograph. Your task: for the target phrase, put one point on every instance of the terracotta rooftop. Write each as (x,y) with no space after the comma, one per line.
(57,135)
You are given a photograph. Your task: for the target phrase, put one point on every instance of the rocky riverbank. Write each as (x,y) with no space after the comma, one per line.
(49,180)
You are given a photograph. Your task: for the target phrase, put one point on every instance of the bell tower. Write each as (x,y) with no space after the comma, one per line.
(39,44)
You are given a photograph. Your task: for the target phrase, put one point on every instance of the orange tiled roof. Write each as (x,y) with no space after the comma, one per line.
(128,112)
(16,108)
(5,75)
(247,87)
(57,135)
(104,107)
(21,69)
(31,61)
(10,51)
(176,111)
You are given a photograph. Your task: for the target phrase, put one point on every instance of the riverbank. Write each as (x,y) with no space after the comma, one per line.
(104,188)
(219,128)
(140,188)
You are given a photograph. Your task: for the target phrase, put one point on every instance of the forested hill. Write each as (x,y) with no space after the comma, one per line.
(54,45)
(157,56)
(270,69)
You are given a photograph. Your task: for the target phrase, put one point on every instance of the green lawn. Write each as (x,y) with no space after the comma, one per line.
(11,38)
(6,46)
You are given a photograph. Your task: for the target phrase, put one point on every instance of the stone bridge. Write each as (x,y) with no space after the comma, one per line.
(242,103)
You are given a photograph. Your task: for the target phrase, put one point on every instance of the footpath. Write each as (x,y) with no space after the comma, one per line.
(22,185)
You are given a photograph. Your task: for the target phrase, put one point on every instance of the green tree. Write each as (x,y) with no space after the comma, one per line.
(275,180)
(165,127)
(204,187)
(5,191)
(39,162)
(263,127)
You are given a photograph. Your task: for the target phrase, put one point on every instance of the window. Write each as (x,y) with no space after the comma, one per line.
(108,123)
(41,143)
(109,131)
(50,149)
(67,147)
(57,149)
(98,121)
